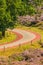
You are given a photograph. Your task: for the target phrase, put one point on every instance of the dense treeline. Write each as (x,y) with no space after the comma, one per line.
(10,9)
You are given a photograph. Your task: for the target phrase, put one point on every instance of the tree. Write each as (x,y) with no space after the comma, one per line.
(2,14)
(9,9)
(6,17)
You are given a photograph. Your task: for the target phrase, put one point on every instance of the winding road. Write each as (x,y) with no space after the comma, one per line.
(27,36)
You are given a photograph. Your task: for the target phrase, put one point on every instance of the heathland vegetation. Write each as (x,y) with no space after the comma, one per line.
(25,15)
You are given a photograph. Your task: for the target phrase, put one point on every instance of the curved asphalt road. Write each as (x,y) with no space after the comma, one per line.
(27,36)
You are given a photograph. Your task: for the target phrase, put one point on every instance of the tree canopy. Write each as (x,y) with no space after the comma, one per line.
(10,9)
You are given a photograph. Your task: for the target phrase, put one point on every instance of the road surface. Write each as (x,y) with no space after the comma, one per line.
(27,37)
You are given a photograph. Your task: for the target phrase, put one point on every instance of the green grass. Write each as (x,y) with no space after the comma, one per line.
(19,49)
(9,36)
(33,29)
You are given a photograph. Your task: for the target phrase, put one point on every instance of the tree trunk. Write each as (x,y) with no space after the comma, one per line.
(3,33)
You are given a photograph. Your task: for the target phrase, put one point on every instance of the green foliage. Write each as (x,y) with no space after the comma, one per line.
(17,57)
(7,15)
(10,9)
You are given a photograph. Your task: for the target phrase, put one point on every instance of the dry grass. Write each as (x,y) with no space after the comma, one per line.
(19,49)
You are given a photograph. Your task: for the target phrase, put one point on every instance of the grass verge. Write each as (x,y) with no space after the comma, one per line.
(19,49)
(9,37)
